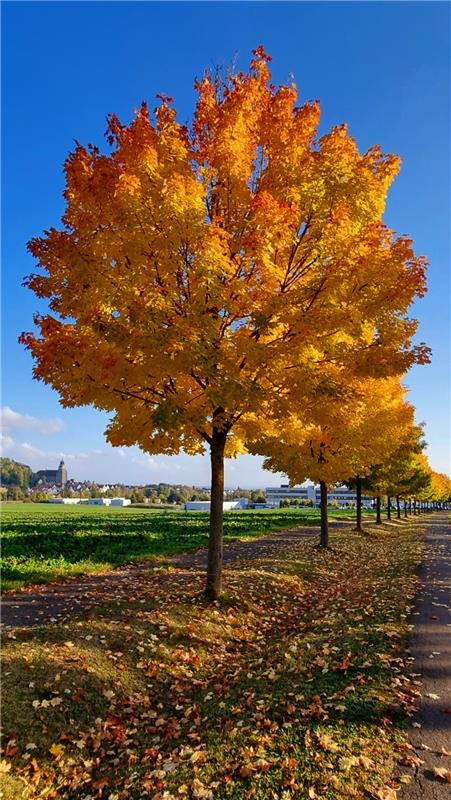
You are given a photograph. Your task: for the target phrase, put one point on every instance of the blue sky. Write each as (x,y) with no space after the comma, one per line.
(381,67)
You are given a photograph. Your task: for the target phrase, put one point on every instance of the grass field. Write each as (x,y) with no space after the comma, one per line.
(292,687)
(44,542)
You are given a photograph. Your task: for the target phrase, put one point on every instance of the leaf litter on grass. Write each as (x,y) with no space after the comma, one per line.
(290,686)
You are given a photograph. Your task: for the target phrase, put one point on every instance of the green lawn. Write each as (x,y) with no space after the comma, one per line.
(45,542)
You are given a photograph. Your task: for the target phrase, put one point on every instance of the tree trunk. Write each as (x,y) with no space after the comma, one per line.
(414,508)
(324,536)
(378,510)
(405,508)
(410,506)
(398,507)
(214,565)
(388,507)
(358,494)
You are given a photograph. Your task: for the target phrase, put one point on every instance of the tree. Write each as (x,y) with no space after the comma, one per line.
(386,427)
(13,473)
(206,280)
(440,488)
(344,434)
(404,474)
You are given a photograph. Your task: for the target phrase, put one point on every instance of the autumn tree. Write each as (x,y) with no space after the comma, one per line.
(341,437)
(387,427)
(403,474)
(206,279)
(440,489)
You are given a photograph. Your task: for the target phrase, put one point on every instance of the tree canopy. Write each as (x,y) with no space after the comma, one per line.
(207,279)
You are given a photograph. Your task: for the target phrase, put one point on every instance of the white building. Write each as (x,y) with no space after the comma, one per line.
(274,494)
(340,494)
(204,505)
(65,501)
(91,501)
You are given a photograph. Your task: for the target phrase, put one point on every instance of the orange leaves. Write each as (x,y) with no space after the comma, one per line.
(241,264)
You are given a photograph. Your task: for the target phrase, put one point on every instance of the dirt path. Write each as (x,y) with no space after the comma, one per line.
(430,647)
(56,602)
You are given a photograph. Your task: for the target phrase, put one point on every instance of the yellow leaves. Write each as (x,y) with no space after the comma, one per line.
(327,743)
(201,792)
(52,703)
(56,750)
(347,762)
(442,773)
(386,793)
(198,757)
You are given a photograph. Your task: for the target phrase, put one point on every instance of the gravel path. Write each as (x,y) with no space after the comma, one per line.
(430,647)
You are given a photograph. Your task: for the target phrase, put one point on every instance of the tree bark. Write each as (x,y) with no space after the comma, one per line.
(324,536)
(215,545)
(378,510)
(398,507)
(388,507)
(358,497)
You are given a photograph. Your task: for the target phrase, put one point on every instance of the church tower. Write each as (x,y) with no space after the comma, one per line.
(61,474)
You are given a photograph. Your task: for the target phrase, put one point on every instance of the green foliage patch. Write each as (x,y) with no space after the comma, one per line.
(46,542)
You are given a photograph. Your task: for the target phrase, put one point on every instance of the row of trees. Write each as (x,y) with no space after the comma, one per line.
(233,287)
(369,440)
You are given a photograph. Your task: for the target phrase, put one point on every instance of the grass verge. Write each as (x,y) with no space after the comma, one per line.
(292,686)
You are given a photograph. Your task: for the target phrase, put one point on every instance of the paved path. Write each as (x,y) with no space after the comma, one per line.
(430,647)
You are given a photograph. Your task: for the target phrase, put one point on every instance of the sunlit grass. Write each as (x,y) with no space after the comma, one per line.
(44,542)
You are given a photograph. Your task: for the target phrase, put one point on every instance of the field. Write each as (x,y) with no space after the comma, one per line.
(44,542)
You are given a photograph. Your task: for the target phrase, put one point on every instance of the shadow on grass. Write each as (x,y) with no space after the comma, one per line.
(53,544)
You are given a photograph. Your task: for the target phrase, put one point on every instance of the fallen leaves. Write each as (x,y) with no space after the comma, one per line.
(386,793)
(56,750)
(442,773)
(174,691)
(327,743)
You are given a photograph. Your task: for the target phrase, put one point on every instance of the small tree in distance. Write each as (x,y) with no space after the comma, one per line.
(206,281)
(363,425)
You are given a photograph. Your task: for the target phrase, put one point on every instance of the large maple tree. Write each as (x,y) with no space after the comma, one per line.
(206,279)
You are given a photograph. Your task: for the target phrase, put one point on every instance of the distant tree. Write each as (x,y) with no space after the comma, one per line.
(40,497)
(13,473)
(174,497)
(259,498)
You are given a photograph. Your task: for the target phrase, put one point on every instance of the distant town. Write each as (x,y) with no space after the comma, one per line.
(20,483)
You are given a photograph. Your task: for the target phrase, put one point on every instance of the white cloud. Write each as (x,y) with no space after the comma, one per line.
(13,420)
(145,461)
(132,466)
(6,442)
